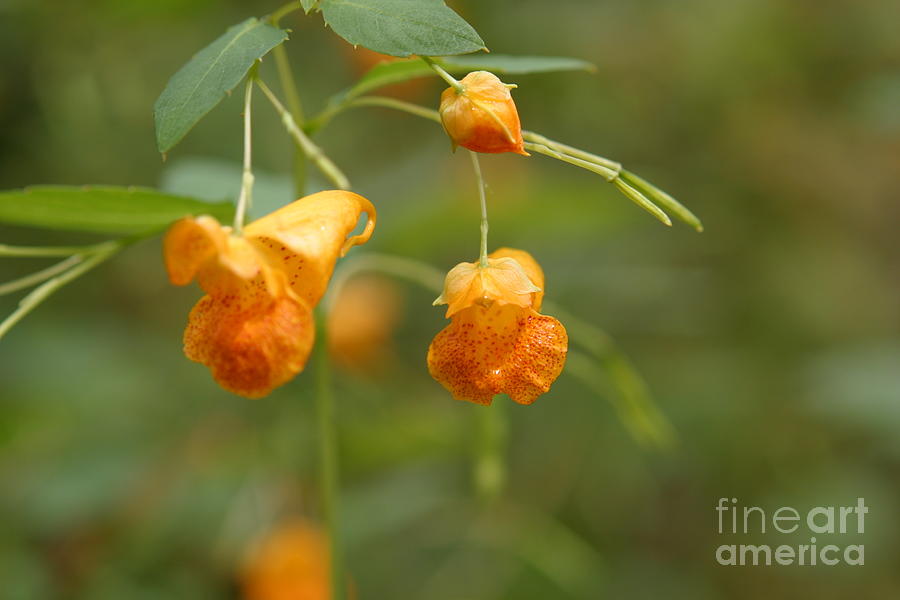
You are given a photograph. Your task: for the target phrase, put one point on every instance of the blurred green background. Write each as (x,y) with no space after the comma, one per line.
(770,341)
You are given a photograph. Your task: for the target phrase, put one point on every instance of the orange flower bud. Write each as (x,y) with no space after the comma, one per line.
(497,341)
(482,115)
(254,329)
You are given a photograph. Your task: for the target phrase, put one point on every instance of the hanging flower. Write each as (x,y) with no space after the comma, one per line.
(254,328)
(482,116)
(497,341)
(290,563)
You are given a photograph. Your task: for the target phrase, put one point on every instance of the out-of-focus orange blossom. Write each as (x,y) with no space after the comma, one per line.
(290,563)
(361,322)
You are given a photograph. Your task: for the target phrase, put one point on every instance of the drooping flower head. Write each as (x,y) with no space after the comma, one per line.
(254,327)
(497,341)
(482,116)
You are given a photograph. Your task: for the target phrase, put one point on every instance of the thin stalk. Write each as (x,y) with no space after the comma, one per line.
(483,254)
(44,291)
(490,465)
(246,197)
(309,148)
(292,97)
(406,268)
(608,174)
(328,457)
(611,177)
(409,107)
(333,110)
(537,138)
(48,251)
(283,11)
(450,79)
(39,276)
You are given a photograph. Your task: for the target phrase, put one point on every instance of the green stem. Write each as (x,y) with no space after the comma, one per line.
(611,177)
(283,11)
(450,79)
(292,97)
(48,251)
(537,138)
(490,466)
(608,174)
(39,276)
(411,270)
(409,107)
(44,291)
(246,196)
(309,148)
(328,456)
(483,254)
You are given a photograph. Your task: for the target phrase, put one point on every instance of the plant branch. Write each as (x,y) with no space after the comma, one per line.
(283,11)
(44,291)
(309,148)
(246,196)
(39,276)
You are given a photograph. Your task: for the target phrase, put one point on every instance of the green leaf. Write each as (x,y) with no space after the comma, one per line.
(513,65)
(202,83)
(402,27)
(388,73)
(98,209)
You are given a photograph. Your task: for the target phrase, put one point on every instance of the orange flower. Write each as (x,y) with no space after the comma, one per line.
(361,321)
(497,341)
(482,116)
(291,563)
(254,328)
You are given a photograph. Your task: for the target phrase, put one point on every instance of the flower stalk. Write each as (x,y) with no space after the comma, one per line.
(328,457)
(483,254)
(443,74)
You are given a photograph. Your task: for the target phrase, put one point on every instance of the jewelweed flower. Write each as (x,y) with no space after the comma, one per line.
(254,327)
(497,341)
(481,115)
(290,563)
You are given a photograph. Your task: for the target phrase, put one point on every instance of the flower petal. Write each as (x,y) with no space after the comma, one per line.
(252,342)
(201,248)
(501,349)
(305,238)
(503,281)
(530,266)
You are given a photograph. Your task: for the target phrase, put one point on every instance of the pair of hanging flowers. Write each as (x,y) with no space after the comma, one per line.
(255,329)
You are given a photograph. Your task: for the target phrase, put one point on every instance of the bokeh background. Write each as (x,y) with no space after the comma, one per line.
(769,342)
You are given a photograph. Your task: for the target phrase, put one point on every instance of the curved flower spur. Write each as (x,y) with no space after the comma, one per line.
(254,328)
